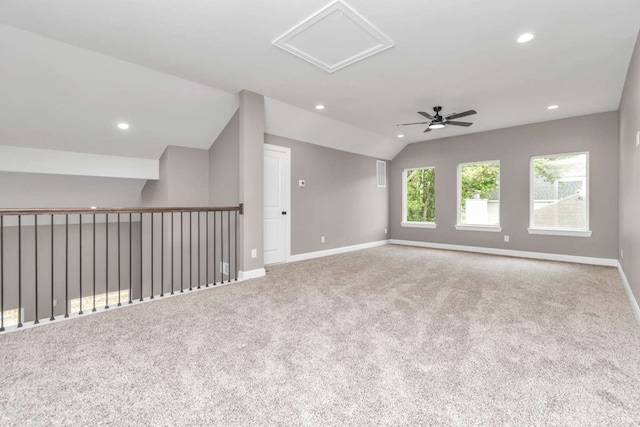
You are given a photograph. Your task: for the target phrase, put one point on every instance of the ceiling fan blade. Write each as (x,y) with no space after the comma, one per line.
(465,124)
(427,115)
(458,115)
(409,124)
(427,130)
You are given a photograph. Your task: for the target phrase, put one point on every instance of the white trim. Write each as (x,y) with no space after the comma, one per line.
(336,251)
(609,262)
(459,198)
(632,299)
(490,228)
(384,42)
(287,179)
(252,274)
(560,232)
(418,224)
(532,192)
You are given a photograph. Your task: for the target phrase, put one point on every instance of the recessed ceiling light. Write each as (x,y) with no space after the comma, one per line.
(526,37)
(436,126)
(552,107)
(319,107)
(123,126)
(400,136)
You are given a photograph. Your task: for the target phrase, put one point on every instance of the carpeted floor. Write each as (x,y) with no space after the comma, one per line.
(386,336)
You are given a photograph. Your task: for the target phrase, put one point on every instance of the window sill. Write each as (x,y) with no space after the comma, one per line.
(489,228)
(560,232)
(419,224)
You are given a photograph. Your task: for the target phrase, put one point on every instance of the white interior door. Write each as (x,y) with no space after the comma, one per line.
(276,204)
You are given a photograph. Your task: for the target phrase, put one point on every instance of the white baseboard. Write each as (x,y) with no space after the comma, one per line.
(632,298)
(251,274)
(335,251)
(609,262)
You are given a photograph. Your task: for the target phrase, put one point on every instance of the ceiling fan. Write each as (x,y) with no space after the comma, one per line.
(439,122)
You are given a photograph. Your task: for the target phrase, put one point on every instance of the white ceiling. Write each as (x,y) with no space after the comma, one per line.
(460,54)
(57,96)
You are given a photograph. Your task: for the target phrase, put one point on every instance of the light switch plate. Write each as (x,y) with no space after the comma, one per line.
(638,139)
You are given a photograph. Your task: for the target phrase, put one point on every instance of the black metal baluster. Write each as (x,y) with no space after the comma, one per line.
(229,245)
(36,321)
(94,263)
(130,261)
(190,251)
(80,256)
(206,252)
(215,245)
(19,271)
(52,259)
(172,251)
(198,213)
(236,242)
(106,260)
(152,290)
(162,254)
(1,273)
(221,247)
(66,266)
(119,272)
(141,263)
(181,253)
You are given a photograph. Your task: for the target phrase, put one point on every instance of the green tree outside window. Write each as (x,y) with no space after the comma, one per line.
(421,195)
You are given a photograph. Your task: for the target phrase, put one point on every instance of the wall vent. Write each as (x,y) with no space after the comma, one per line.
(382,173)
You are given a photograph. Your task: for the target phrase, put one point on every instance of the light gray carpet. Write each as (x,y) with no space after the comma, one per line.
(386,336)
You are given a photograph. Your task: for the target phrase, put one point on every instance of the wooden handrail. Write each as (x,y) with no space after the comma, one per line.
(98,210)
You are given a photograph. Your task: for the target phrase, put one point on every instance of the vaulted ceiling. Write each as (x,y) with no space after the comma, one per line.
(191,58)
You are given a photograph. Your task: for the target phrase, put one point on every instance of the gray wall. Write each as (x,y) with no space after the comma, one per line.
(184,179)
(597,133)
(340,201)
(629,174)
(224,158)
(251,166)
(156,192)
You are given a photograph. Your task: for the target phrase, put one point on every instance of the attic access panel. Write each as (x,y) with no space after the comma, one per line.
(334,37)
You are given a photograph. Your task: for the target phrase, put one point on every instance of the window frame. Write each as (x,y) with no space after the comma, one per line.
(476,227)
(404,222)
(558,231)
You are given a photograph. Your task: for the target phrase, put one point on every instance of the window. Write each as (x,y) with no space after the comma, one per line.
(419,198)
(381,168)
(560,195)
(101,301)
(11,317)
(479,196)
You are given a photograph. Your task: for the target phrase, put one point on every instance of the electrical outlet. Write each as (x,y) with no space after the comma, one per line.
(254,253)
(55,302)
(385,231)
(301,183)
(321,239)
(224,267)
(506,239)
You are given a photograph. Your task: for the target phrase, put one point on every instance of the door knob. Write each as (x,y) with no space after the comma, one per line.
(284,212)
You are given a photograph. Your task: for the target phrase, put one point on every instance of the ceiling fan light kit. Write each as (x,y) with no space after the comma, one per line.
(438,121)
